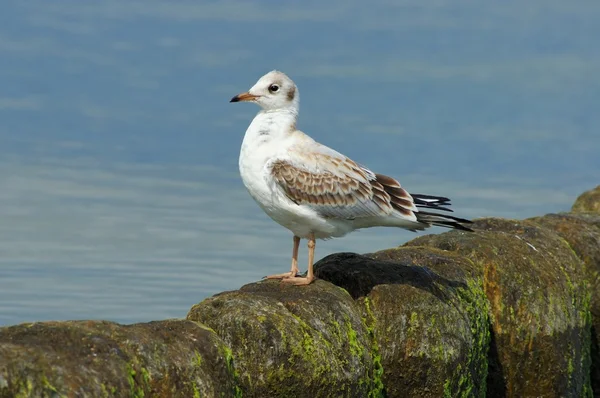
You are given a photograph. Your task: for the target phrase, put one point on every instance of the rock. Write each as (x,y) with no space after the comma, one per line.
(588,201)
(291,341)
(427,314)
(539,307)
(170,358)
(510,310)
(582,235)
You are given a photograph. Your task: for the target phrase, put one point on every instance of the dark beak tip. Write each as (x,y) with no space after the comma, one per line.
(235,99)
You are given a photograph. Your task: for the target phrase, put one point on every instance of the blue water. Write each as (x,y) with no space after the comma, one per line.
(119,192)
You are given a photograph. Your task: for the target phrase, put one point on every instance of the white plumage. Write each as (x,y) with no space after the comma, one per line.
(312,190)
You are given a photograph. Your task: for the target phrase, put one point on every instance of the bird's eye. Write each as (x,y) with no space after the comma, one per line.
(273,88)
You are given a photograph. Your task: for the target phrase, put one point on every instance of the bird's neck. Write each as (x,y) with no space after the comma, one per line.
(269,125)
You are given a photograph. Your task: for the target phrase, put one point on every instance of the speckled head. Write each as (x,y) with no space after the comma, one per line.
(273,91)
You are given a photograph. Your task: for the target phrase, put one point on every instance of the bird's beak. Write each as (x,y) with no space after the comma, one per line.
(244,97)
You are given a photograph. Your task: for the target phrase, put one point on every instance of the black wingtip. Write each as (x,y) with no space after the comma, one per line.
(444,220)
(431,202)
(453,225)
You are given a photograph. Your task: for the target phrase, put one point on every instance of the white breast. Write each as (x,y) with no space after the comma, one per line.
(261,143)
(268,137)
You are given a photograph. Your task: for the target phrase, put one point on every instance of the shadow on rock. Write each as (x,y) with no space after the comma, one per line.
(359,274)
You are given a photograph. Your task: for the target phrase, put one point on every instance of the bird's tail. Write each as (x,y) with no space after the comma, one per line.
(441,220)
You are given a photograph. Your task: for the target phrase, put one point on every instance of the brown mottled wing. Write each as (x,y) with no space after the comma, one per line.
(338,187)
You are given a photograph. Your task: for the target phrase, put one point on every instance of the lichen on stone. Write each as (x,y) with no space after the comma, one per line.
(287,339)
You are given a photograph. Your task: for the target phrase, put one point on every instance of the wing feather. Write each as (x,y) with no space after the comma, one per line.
(335,186)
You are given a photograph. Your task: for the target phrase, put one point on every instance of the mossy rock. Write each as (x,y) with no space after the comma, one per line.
(293,341)
(427,314)
(588,201)
(170,358)
(581,233)
(592,219)
(539,306)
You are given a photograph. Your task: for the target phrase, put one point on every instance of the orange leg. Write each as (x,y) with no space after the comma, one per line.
(294,270)
(310,274)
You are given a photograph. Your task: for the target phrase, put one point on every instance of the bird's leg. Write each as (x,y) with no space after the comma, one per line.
(294,270)
(310,274)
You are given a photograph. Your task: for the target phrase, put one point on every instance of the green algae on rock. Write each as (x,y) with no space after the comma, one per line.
(588,201)
(291,341)
(105,359)
(539,306)
(581,233)
(427,314)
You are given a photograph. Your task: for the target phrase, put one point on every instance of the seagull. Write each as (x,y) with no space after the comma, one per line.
(315,191)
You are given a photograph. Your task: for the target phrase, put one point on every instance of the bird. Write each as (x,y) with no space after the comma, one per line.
(315,191)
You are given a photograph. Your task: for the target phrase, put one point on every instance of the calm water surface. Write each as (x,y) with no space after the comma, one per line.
(119,192)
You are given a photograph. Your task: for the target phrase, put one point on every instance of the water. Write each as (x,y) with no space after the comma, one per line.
(119,192)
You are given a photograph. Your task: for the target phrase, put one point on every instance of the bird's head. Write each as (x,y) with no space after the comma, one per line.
(273,91)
